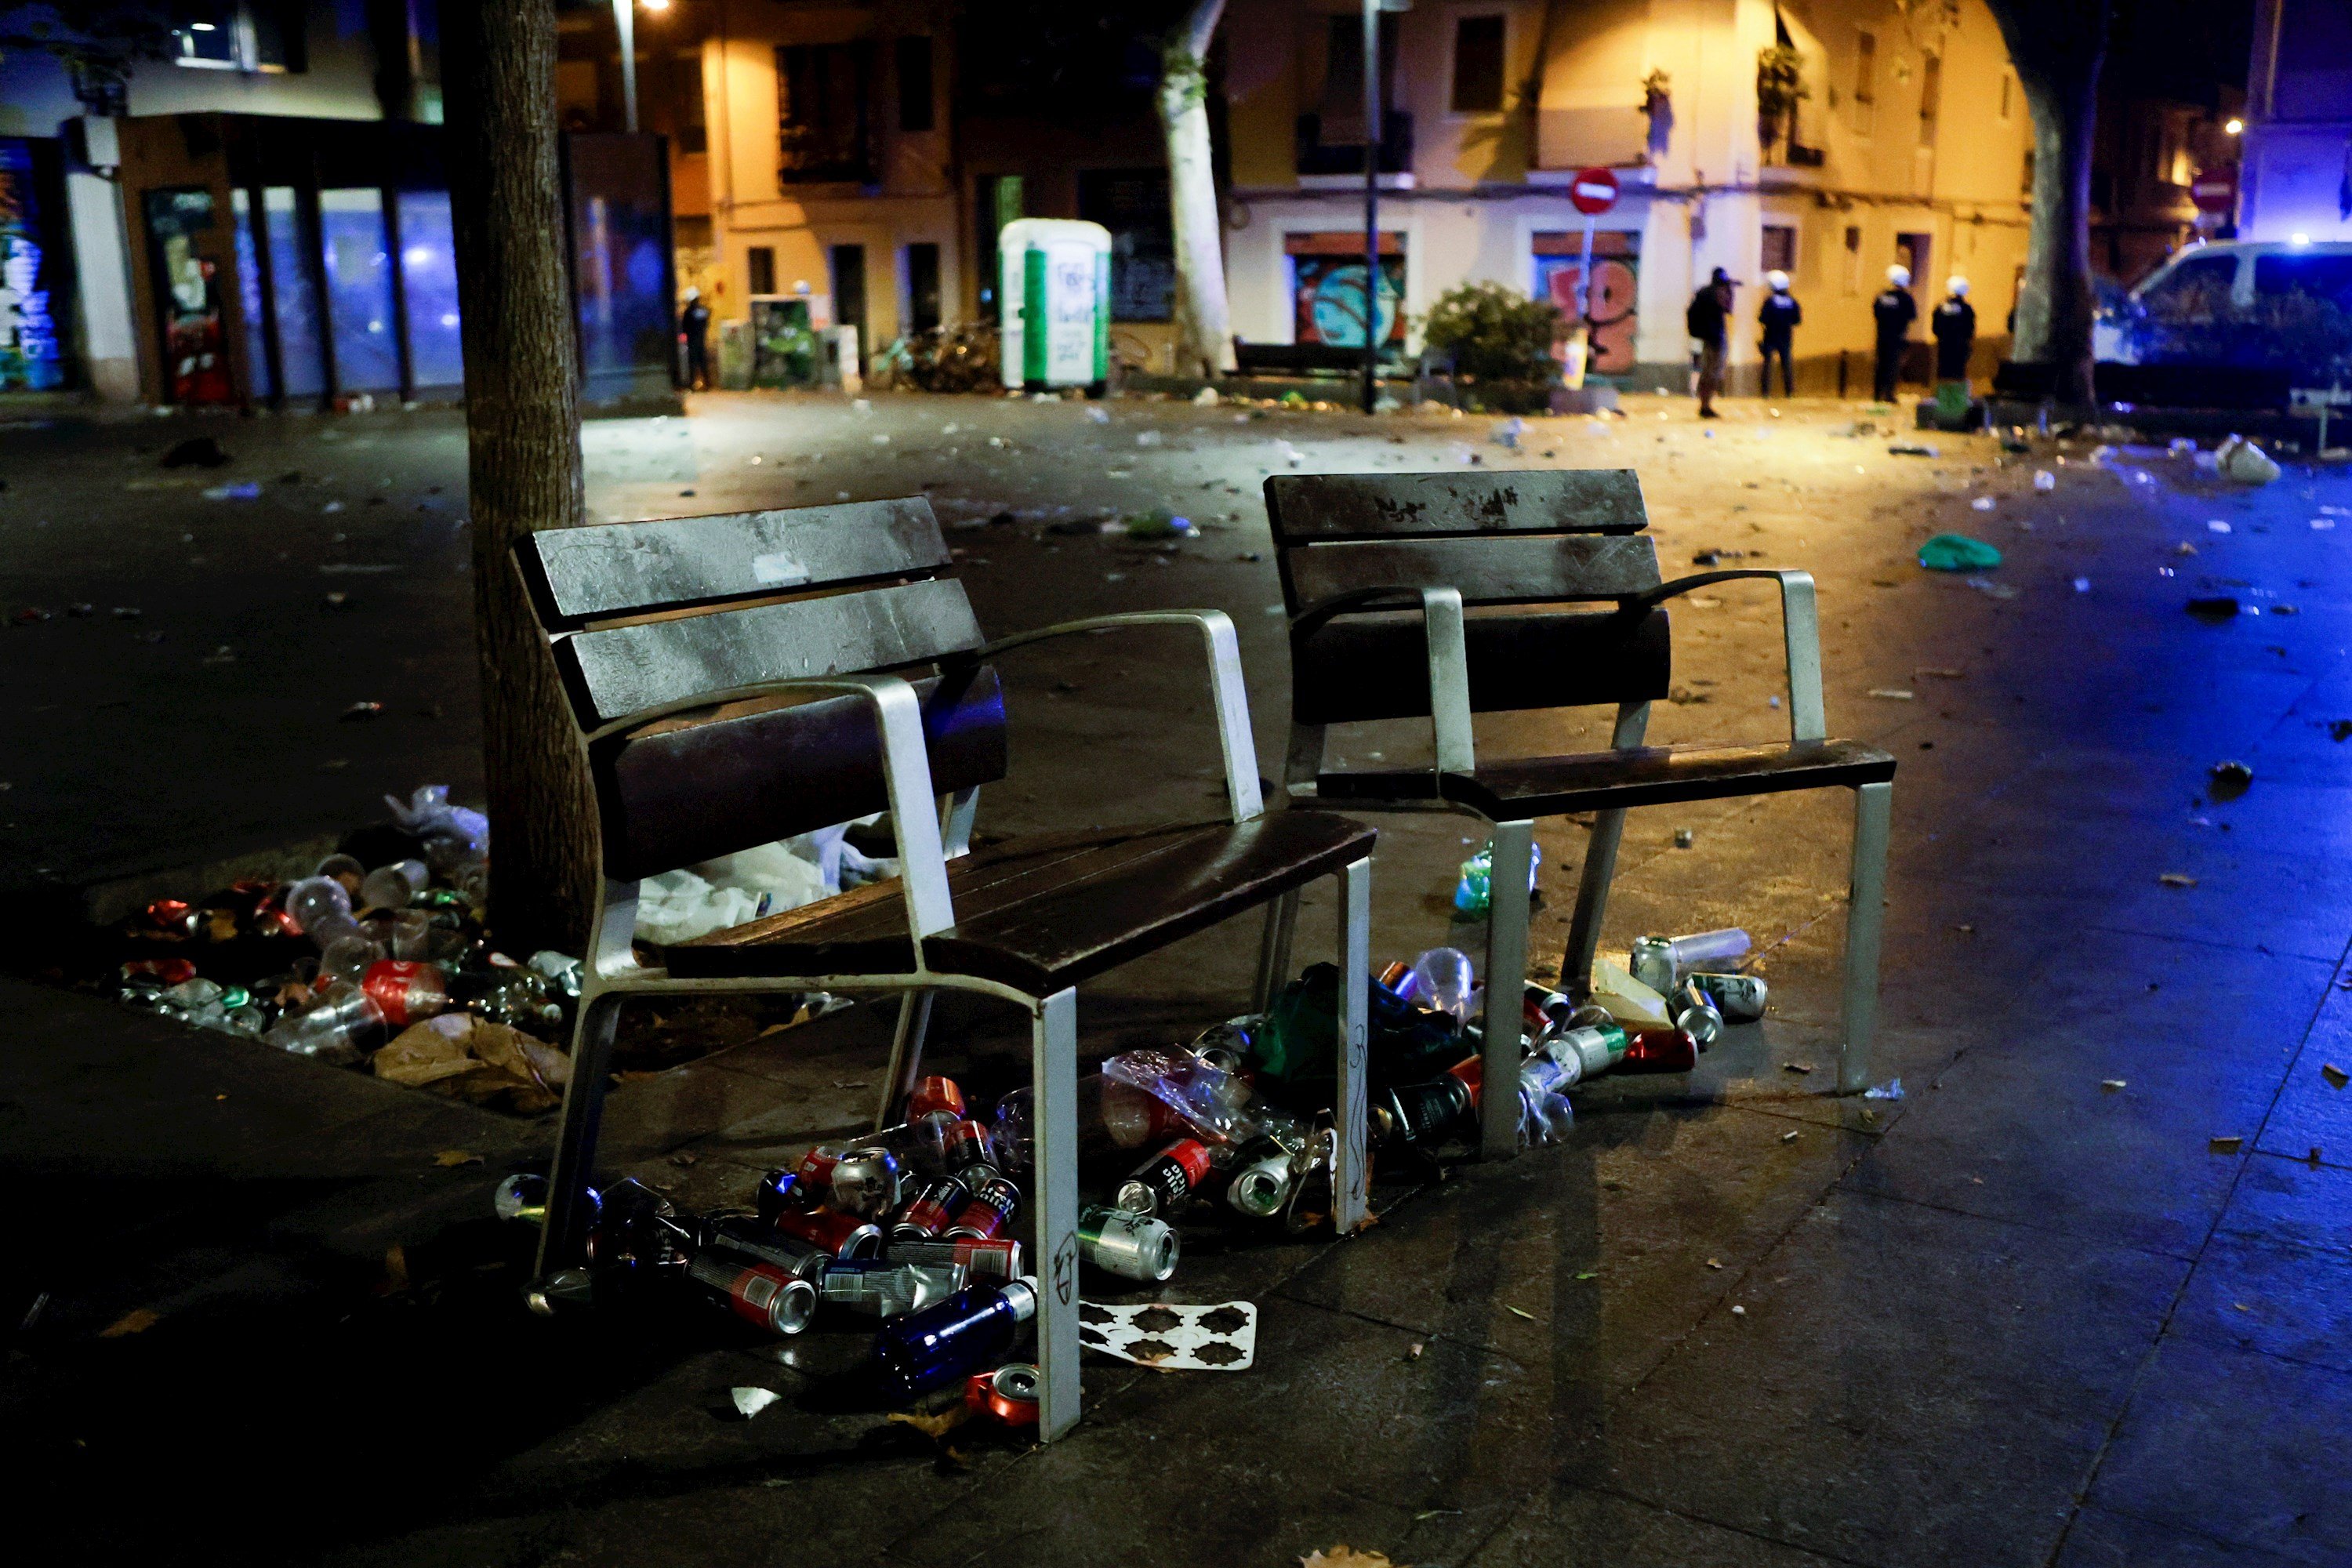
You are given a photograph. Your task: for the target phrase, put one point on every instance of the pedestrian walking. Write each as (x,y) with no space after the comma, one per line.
(1955,326)
(1894,311)
(1779,318)
(694,326)
(1708,319)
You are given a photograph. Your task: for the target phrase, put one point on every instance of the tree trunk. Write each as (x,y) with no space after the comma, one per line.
(1205,337)
(522,427)
(2058,46)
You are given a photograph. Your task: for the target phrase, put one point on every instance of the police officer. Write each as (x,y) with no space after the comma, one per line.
(1894,311)
(1779,318)
(694,326)
(1955,326)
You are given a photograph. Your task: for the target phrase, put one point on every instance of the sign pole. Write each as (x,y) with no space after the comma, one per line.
(1371,203)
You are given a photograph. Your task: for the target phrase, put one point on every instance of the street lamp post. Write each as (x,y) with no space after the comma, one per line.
(1371,203)
(624,18)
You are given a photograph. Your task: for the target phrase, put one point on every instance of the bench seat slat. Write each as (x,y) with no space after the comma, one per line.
(1639,776)
(1494,570)
(1306,507)
(1039,913)
(611,570)
(620,670)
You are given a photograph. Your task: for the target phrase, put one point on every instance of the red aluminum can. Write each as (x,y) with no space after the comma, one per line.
(934,1209)
(842,1234)
(170,971)
(994,1199)
(1660,1050)
(404,991)
(815,1169)
(1472,1073)
(968,1143)
(779,1302)
(1162,1184)
(935,1095)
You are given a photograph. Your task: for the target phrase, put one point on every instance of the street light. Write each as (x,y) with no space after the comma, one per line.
(2233,126)
(1372,9)
(624,21)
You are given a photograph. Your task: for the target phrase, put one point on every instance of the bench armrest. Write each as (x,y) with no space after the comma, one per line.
(1449,659)
(1239,743)
(906,770)
(1801,629)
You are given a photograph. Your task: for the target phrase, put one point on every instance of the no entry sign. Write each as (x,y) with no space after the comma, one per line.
(2213,190)
(1594,191)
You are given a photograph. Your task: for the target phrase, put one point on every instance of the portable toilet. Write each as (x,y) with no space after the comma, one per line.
(1053,289)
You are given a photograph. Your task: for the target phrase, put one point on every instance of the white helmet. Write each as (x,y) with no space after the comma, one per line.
(1900,277)
(1959,286)
(1777,280)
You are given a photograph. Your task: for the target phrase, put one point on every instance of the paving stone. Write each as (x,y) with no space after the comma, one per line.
(2281,1300)
(2098,1538)
(1572,1524)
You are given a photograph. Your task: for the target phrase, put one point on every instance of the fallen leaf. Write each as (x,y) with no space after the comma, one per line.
(1345,1557)
(935,1427)
(2239,1307)
(1713,1263)
(2224,1145)
(137,1320)
(1796,1067)
(1530,1317)
(684,1157)
(2336,1075)
(2178,879)
(449,1159)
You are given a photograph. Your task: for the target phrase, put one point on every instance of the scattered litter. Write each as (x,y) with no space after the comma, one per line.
(1958,553)
(2111,1084)
(1683,838)
(1891,1090)
(1519,1312)
(244,490)
(1982,503)
(1891,693)
(1738,1311)
(1991,589)
(1797,1067)
(1158,524)
(359,711)
(1205,398)
(2336,1075)
(2242,462)
(1507,433)
(2177,879)
(2082,585)
(750,1402)
(1170,1338)
(450,1159)
(2044,481)
(137,1320)
(2216,525)
(1790,1137)
(1345,1557)
(1912,449)
(2228,1145)
(2227,780)
(2322,524)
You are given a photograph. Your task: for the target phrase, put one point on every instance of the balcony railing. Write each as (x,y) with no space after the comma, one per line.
(1316,156)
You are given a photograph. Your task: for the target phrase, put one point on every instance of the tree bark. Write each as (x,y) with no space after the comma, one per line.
(522,427)
(2058,46)
(1204,336)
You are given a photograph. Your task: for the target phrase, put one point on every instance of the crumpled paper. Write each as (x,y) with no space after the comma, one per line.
(679,906)
(467,1059)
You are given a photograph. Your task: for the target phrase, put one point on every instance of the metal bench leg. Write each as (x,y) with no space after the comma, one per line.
(906,1056)
(1350,1177)
(564,1232)
(1506,985)
(1273,951)
(1054,1078)
(1599,866)
(1865,919)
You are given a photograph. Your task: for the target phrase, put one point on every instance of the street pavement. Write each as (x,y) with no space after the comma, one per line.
(2078,1298)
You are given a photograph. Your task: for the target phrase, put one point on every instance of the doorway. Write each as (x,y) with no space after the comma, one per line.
(1911,254)
(922,287)
(849,293)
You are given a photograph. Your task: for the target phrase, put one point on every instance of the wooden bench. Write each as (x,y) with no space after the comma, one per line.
(735,679)
(1377,572)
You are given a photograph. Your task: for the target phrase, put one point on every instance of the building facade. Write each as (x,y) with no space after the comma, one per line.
(2297,176)
(1907,143)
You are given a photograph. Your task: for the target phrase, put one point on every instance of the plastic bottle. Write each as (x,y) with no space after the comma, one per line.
(347,958)
(1442,981)
(313,899)
(390,887)
(961,1335)
(1474,894)
(335,1029)
(1215,1105)
(405,991)
(1545,1114)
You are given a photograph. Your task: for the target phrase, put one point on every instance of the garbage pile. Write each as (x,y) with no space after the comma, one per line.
(378,957)
(918,1229)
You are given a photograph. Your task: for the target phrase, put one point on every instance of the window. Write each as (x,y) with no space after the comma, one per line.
(1477,64)
(1853,259)
(824,97)
(2323,276)
(761,263)
(915,95)
(238,34)
(2197,290)
(1343,74)
(1931,97)
(922,287)
(693,126)
(1779,251)
(1866,83)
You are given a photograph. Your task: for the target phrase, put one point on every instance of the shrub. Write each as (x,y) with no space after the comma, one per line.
(1496,333)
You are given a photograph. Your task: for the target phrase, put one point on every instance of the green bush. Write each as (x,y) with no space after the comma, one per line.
(1496,333)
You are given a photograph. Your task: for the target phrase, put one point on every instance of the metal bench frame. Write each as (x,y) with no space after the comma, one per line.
(933,829)
(1441,609)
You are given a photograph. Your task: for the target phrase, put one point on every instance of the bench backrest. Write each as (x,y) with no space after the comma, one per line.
(1539,537)
(644,615)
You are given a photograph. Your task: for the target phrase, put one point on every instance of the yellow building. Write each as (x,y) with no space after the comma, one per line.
(1910,143)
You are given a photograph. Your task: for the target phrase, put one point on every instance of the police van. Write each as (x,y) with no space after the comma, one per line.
(2276,304)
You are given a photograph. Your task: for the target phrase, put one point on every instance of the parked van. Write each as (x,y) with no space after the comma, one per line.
(2255,305)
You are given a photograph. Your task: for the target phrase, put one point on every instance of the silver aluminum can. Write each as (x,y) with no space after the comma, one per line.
(1131,1246)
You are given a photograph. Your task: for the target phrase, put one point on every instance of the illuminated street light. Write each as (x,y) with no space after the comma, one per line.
(2233,126)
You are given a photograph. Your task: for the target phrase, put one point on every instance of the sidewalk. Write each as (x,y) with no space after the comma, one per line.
(2017,1317)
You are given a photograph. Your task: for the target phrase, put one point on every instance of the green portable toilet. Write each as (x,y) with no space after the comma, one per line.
(1055,303)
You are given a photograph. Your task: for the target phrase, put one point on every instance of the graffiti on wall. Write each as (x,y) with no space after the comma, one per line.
(30,358)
